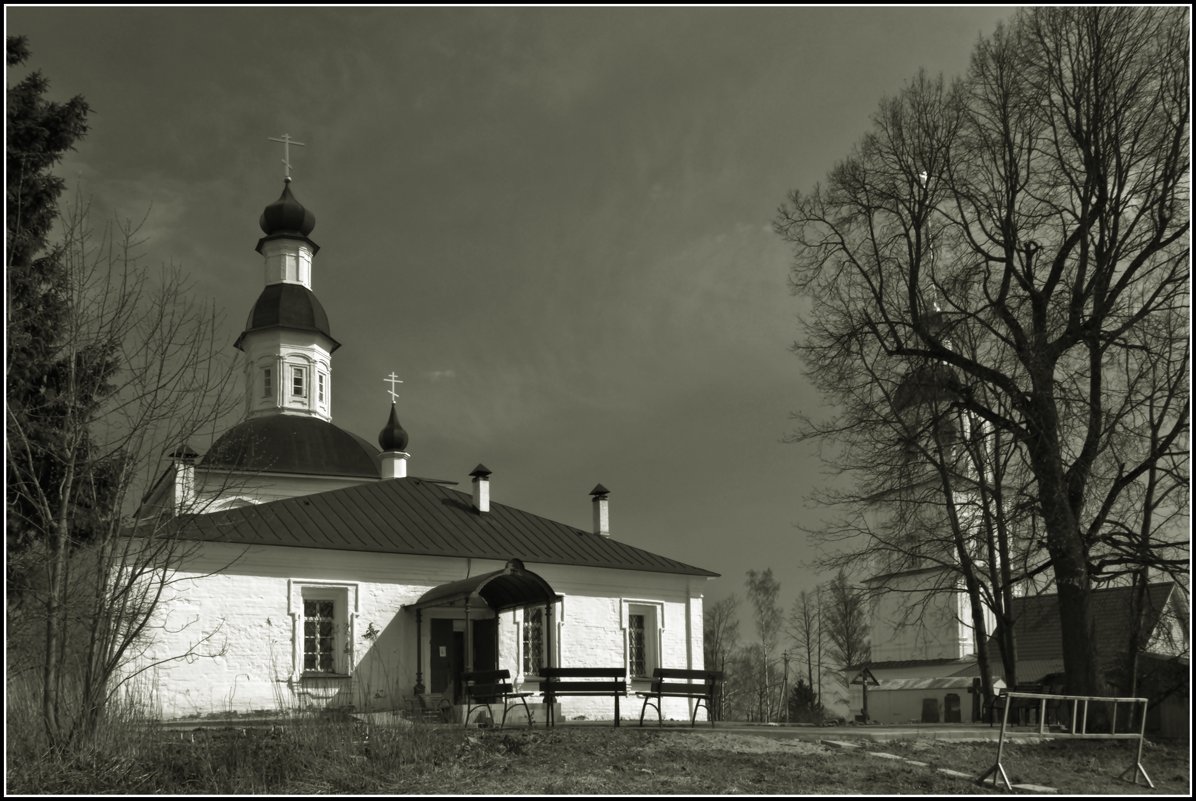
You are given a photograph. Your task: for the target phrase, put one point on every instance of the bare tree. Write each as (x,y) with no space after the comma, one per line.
(846,620)
(1037,210)
(805,630)
(141,375)
(720,640)
(762,594)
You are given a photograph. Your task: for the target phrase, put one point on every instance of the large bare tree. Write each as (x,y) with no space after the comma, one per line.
(1027,228)
(141,374)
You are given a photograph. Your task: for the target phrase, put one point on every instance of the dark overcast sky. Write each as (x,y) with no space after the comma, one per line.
(554,224)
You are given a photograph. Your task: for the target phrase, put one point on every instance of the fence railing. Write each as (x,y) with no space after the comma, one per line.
(1078,728)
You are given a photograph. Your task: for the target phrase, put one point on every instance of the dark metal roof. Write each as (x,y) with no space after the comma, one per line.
(509,588)
(1040,638)
(287,306)
(286,443)
(933,383)
(416,516)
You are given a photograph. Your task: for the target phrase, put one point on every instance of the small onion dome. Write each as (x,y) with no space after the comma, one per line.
(393,437)
(481,471)
(287,216)
(599,492)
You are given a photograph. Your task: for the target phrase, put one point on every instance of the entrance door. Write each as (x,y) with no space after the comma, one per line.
(442,657)
(485,644)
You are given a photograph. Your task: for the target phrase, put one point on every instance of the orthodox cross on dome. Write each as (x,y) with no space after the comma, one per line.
(287,141)
(392,379)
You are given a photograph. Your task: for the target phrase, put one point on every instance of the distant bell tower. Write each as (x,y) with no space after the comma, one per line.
(287,341)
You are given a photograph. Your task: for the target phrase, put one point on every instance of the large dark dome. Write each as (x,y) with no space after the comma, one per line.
(928,384)
(288,306)
(285,443)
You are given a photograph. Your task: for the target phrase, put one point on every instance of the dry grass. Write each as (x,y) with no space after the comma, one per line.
(337,754)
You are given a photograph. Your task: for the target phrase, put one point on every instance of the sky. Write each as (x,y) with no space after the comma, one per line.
(555,225)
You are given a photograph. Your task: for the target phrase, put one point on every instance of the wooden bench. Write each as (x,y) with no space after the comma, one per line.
(486,687)
(1021,708)
(680,683)
(558,681)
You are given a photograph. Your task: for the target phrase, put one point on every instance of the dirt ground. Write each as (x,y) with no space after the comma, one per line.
(593,761)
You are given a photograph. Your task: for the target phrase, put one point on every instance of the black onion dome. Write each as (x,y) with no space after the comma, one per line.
(288,306)
(284,443)
(927,384)
(393,437)
(287,216)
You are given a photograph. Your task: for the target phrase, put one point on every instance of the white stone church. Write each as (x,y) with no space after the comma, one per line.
(319,573)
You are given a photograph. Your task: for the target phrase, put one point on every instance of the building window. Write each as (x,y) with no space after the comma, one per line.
(323,615)
(533,641)
(637,656)
(643,640)
(299,382)
(319,636)
(321,388)
(267,384)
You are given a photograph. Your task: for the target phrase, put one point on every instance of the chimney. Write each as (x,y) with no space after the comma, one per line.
(601,512)
(481,488)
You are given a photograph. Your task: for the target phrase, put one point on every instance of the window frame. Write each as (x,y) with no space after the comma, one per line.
(299,378)
(267,383)
(344,598)
(533,622)
(652,615)
(319,654)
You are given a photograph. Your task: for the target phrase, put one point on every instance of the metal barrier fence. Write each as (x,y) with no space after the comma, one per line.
(1079,715)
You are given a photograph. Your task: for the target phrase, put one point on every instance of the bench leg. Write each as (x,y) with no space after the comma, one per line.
(506,708)
(616,711)
(649,702)
(471,708)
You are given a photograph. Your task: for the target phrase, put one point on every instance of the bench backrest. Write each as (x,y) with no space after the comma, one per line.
(553,673)
(564,680)
(680,680)
(487,683)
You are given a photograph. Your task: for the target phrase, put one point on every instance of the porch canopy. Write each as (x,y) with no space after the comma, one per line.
(513,587)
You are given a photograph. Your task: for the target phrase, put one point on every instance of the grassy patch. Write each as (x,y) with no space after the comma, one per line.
(325,754)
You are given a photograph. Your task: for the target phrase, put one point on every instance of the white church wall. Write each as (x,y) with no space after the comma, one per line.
(919,615)
(233,617)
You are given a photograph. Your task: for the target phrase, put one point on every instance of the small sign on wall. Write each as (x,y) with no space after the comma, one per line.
(443,652)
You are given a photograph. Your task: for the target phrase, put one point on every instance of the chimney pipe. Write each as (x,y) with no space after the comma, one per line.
(601,512)
(481,489)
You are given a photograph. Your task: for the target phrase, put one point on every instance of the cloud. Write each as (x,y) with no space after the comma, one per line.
(438,375)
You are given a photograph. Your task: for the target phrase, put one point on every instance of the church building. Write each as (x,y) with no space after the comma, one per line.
(319,573)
